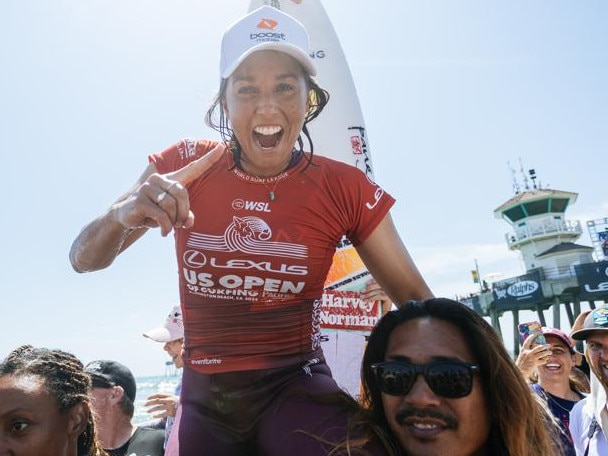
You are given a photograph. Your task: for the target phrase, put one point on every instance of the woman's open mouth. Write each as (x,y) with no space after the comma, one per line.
(268,136)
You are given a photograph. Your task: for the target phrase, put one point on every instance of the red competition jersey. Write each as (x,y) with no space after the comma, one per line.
(252,268)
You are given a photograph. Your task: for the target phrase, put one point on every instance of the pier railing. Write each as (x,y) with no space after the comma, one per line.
(536,231)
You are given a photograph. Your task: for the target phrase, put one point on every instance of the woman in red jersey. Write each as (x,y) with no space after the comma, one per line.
(256,220)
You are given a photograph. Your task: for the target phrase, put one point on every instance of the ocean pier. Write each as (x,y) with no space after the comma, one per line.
(559,273)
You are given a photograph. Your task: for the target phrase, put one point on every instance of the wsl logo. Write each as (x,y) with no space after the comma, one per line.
(257,206)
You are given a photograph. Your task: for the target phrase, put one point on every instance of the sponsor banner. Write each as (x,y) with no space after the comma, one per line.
(347,272)
(341,307)
(346,310)
(593,280)
(518,292)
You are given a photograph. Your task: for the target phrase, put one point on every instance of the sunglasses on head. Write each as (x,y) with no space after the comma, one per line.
(449,379)
(101,382)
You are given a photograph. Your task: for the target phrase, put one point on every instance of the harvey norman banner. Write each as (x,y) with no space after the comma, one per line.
(522,291)
(346,310)
(593,280)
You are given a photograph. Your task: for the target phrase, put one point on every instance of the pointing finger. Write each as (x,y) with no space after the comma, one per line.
(197,168)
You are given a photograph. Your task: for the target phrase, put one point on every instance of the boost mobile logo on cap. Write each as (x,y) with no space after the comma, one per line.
(266,31)
(268,24)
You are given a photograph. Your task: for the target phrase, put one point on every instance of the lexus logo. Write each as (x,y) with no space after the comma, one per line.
(194,259)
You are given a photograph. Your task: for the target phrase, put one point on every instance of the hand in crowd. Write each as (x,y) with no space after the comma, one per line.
(374,292)
(162,200)
(162,405)
(531,356)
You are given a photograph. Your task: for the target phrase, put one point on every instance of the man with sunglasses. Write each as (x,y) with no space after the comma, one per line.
(438,380)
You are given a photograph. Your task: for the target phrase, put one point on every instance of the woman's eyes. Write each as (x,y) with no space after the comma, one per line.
(19,425)
(284,87)
(247,90)
(280,88)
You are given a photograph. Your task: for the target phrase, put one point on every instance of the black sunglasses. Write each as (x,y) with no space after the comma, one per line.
(449,379)
(98,381)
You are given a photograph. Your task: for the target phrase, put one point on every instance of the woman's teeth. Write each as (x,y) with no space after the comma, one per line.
(267,130)
(268,136)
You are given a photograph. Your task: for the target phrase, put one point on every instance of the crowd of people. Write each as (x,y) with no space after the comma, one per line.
(436,378)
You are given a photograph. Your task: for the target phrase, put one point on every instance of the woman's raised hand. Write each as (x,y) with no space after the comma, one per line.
(531,356)
(162,199)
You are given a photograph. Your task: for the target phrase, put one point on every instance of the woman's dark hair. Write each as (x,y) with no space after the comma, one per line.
(64,379)
(216,116)
(520,424)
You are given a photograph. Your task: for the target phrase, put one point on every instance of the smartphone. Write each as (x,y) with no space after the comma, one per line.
(531,327)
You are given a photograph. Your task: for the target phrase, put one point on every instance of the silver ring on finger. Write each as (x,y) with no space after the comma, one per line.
(161,196)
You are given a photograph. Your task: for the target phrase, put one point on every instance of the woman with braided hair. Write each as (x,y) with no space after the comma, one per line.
(44,405)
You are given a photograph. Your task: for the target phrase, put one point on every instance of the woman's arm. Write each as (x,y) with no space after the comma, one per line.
(155,201)
(104,238)
(390,264)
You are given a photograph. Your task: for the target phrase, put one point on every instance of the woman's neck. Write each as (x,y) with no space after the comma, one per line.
(560,389)
(291,161)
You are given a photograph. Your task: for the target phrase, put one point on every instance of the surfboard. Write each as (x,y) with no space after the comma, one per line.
(338,133)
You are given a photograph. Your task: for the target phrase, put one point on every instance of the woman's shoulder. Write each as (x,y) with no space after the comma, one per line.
(322,160)
(329,166)
(181,153)
(190,148)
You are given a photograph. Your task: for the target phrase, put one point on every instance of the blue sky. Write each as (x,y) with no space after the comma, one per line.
(452,91)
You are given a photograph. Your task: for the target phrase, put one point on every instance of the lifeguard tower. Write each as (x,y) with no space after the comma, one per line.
(558,270)
(540,230)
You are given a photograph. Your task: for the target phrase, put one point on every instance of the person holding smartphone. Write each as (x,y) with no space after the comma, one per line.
(549,368)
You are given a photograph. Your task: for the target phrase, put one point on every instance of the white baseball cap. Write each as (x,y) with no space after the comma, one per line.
(265,28)
(173,329)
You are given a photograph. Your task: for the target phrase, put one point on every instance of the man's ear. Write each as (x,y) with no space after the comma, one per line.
(78,419)
(117,393)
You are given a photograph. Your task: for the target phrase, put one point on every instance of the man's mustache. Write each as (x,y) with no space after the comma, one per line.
(408,412)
